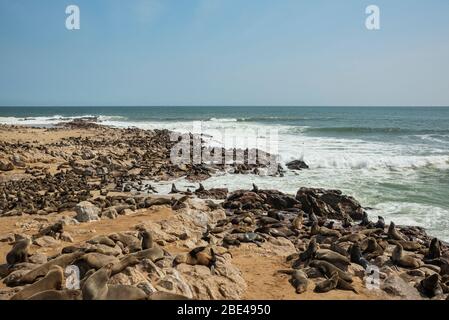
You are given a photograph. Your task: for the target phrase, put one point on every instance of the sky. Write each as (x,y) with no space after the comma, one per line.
(224,52)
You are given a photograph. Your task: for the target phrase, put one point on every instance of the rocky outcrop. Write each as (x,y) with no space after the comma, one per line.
(297,165)
(86,212)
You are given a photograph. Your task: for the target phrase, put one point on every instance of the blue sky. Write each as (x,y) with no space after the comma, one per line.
(224,52)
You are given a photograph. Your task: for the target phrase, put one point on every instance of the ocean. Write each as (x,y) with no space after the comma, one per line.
(395,161)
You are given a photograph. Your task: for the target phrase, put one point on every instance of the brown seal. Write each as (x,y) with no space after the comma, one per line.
(57,295)
(52,281)
(327,285)
(403,260)
(19,252)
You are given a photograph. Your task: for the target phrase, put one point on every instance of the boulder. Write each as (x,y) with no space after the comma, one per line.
(46,241)
(396,286)
(6,165)
(86,212)
(297,165)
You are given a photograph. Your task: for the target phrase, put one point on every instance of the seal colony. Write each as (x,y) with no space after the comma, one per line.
(85,174)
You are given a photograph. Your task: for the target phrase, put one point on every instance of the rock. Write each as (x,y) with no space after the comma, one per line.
(297,165)
(86,212)
(46,241)
(226,283)
(6,165)
(329,203)
(110,213)
(18,161)
(130,276)
(38,258)
(396,286)
(147,287)
(87,154)
(356,270)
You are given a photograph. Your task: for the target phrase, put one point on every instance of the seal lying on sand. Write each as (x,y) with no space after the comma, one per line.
(298,280)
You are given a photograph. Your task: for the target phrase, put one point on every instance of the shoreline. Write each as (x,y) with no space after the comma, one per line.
(251,231)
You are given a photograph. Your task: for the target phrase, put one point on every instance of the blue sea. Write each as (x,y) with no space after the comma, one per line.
(394,160)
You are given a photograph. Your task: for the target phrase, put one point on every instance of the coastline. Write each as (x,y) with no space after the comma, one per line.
(74,158)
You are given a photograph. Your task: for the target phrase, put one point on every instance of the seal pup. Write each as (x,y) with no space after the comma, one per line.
(19,252)
(297,221)
(204,256)
(58,295)
(298,280)
(52,281)
(393,233)
(403,260)
(327,285)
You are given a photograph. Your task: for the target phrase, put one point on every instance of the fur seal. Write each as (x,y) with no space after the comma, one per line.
(431,286)
(52,281)
(57,295)
(125,292)
(102,240)
(132,243)
(393,233)
(356,256)
(94,260)
(352,237)
(204,256)
(328,269)
(380,223)
(403,260)
(95,287)
(161,295)
(255,188)
(200,188)
(365,220)
(147,239)
(316,229)
(61,261)
(174,189)
(434,251)
(124,263)
(307,255)
(332,257)
(155,253)
(299,280)
(297,221)
(327,285)
(19,252)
